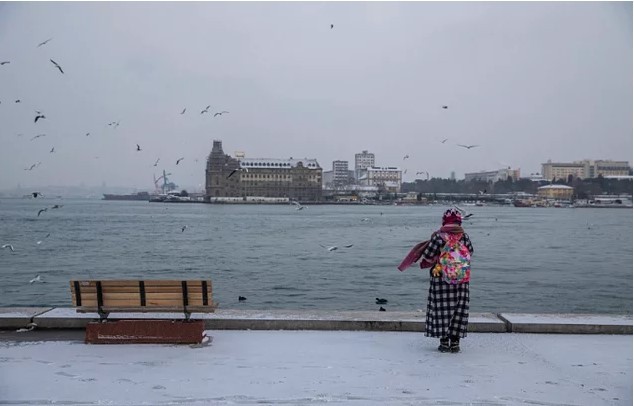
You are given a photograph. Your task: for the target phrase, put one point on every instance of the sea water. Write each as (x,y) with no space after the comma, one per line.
(526,259)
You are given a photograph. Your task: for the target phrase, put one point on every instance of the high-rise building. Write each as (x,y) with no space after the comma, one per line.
(296,179)
(340,173)
(362,161)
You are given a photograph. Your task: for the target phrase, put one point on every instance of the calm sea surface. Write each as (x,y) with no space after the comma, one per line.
(525,260)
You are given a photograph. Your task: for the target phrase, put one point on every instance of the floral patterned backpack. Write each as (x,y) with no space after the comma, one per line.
(454,260)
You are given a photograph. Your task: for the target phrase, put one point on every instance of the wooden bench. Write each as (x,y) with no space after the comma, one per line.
(108,296)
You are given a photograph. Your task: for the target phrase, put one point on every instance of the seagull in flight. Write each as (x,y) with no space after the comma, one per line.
(299,206)
(463,212)
(9,246)
(405,157)
(38,136)
(467,146)
(57,206)
(4,62)
(179,159)
(206,110)
(443,141)
(41,210)
(333,248)
(43,43)
(236,170)
(52,150)
(156,163)
(38,116)
(183,228)
(332,26)
(138,147)
(18,101)
(445,107)
(57,66)
(37,278)
(220,113)
(183,112)
(32,166)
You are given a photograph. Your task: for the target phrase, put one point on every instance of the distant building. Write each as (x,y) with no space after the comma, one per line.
(561,192)
(296,179)
(340,173)
(585,169)
(362,161)
(493,176)
(388,178)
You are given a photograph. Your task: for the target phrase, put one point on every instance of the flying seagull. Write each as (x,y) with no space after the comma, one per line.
(179,159)
(332,26)
(43,43)
(467,146)
(332,248)
(18,101)
(41,210)
(37,278)
(138,148)
(405,157)
(183,112)
(52,150)
(183,228)
(4,62)
(87,134)
(443,141)
(220,113)
(445,107)
(38,116)
(463,212)
(299,206)
(206,110)
(32,166)
(57,66)
(38,136)
(57,206)
(236,170)
(156,163)
(9,246)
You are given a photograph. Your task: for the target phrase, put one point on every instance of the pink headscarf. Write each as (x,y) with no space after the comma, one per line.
(452,216)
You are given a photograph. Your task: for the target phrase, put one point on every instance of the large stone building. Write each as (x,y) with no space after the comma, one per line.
(387,178)
(585,169)
(296,179)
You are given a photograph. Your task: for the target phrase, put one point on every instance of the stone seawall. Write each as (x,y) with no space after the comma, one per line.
(229,319)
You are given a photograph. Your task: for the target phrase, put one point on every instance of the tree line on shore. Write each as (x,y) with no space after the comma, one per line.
(583,188)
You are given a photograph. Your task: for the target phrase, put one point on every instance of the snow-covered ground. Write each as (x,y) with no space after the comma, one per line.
(315,367)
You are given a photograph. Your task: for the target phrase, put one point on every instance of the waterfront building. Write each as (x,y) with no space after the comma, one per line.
(585,169)
(388,178)
(493,176)
(362,161)
(295,179)
(559,192)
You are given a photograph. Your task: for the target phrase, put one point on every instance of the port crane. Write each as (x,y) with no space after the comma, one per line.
(163,187)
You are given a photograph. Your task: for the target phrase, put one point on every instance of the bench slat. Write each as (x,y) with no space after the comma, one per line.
(159,295)
(132,309)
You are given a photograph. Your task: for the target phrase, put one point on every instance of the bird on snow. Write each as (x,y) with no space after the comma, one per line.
(29,327)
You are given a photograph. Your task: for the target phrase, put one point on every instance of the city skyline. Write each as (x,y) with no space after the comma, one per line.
(459,87)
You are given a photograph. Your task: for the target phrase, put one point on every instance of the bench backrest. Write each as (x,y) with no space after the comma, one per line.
(105,296)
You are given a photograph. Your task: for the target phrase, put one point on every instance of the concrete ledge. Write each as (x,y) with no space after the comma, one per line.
(19,317)
(233,319)
(567,323)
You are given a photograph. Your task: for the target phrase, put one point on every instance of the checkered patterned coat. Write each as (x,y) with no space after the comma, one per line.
(447,305)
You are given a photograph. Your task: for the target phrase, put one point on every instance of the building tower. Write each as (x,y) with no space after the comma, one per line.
(362,161)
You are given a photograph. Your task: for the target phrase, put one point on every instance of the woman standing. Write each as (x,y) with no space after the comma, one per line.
(449,251)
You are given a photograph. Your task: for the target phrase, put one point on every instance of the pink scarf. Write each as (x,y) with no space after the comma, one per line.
(417,251)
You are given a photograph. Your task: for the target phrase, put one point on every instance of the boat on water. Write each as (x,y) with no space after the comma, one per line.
(132,196)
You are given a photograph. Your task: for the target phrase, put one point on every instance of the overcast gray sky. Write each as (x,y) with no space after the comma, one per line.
(524,81)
